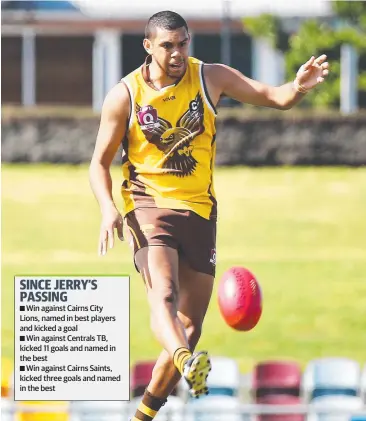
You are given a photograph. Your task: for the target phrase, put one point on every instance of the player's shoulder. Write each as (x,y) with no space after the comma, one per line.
(198,66)
(212,70)
(215,69)
(216,73)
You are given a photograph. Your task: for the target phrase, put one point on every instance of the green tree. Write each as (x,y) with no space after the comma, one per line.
(352,11)
(315,37)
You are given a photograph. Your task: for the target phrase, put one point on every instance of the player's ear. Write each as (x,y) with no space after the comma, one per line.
(147,45)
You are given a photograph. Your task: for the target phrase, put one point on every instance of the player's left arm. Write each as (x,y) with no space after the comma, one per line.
(224,80)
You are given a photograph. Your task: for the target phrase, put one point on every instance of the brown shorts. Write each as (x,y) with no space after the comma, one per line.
(193,236)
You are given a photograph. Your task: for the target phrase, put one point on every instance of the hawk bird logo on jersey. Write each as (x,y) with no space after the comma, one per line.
(174,142)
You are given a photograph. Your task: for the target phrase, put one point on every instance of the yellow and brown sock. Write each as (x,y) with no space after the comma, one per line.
(180,357)
(148,407)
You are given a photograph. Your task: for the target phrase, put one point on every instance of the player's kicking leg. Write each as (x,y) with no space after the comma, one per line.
(194,295)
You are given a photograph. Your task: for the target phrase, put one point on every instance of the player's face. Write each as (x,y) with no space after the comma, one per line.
(170,51)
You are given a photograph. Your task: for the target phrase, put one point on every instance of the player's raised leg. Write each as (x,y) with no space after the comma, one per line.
(194,296)
(158,266)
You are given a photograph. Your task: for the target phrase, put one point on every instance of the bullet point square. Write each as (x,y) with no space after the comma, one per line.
(22,368)
(22,338)
(22,308)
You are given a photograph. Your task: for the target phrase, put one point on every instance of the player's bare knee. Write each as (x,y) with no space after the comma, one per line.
(160,307)
(168,298)
(164,297)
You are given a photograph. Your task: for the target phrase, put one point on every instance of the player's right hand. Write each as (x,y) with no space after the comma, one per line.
(111,220)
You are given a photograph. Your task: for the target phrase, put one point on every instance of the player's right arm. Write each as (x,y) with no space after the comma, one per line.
(112,128)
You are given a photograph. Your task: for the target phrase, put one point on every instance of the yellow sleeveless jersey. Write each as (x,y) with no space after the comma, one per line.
(169,148)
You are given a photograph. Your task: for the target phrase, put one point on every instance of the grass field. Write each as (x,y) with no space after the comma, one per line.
(301,230)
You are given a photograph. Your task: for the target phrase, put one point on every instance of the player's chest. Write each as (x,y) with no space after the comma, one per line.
(170,114)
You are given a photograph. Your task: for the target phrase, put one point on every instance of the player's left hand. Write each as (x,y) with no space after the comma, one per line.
(111,220)
(313,72)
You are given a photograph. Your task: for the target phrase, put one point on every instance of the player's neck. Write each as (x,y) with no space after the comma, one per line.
(157,77)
